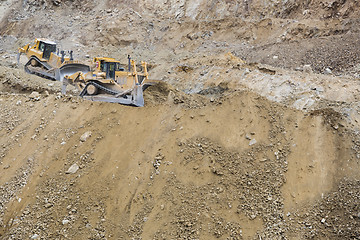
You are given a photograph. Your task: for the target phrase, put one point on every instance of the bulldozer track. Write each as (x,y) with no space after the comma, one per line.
(38,73)
(99,86)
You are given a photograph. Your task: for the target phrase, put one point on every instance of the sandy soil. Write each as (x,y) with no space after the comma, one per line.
(253,133)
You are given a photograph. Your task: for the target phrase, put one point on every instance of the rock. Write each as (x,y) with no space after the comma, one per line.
(35,236)
(35,96)
(65,221)
(18,103)
(46,93)
(13,64)
(48,205)
(85,136)
(73,169)
(252,142)
(328,71)
(307,68)
(323,220)
(275,57)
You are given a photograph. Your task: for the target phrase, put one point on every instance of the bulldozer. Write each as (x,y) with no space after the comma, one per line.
(44,61)
(108,81)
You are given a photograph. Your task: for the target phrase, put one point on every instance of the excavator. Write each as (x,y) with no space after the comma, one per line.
(45,62)
(108,81)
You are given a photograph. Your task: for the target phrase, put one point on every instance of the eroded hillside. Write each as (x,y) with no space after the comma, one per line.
(253,134)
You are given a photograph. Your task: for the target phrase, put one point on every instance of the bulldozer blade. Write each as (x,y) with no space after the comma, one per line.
(64,85)
(138,96)
(70,69)
(18,58)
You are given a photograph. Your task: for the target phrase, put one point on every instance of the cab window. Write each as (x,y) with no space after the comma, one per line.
(42,46)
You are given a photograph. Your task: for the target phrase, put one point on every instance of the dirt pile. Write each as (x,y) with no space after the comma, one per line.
(253,133)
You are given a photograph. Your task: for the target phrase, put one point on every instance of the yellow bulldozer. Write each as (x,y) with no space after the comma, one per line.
(44,61)
(108,81)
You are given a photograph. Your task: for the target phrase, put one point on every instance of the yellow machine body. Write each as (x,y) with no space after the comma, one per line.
(45,62)
(109,82)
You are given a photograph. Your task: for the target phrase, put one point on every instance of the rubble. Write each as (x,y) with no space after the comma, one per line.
(253,133)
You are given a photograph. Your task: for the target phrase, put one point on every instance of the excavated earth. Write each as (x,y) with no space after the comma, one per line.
(253,132)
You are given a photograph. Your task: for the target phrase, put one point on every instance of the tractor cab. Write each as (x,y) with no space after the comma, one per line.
(47,47)
(108,66)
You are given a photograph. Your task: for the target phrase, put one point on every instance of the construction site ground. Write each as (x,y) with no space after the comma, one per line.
(253,132)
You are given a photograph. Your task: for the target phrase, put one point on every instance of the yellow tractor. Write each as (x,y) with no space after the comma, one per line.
(45,62)
(108,81)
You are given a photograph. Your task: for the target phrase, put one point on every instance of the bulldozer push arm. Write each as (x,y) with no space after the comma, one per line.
(22,50)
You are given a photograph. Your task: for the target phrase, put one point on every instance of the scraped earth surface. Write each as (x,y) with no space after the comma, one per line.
(252,134)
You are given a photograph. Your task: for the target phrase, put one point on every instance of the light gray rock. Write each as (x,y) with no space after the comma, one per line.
(73,169)
(35,236)
(35,96)
(307,68)
(328,71)
(252,142)
(65,221)
(85,136)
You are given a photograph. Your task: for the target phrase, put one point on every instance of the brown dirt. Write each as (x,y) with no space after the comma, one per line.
(239,141)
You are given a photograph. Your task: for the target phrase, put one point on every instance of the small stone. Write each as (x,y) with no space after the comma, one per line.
(35,236)
(162,206)
(18,103)
(252,142)
(248,137)
(35,96)
(46,93)
(328,71)
(13,64)
(323,220)
(48,205)
(65,221)
(307,68)
(275,57)
(196,167)
(85,136)
(73,169)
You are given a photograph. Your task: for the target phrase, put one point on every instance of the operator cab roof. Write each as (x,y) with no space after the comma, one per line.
(46,41)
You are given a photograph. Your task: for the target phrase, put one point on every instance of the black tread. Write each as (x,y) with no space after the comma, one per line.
(47,66)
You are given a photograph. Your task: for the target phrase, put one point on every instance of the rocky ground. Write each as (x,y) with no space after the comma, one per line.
(253,133)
